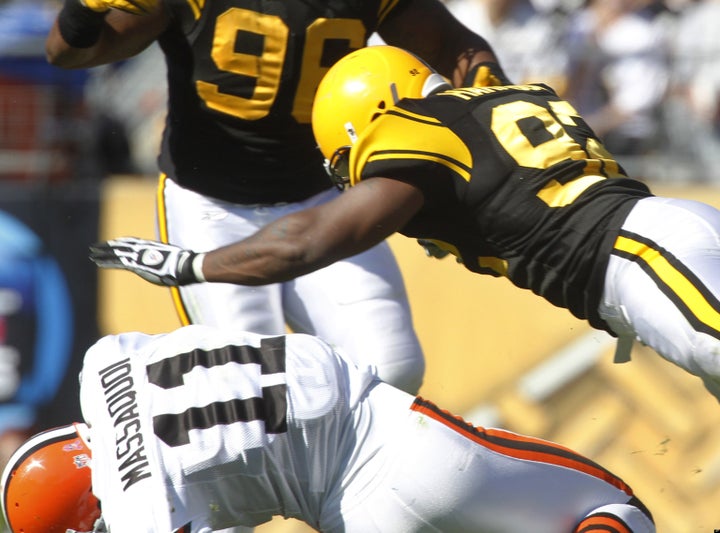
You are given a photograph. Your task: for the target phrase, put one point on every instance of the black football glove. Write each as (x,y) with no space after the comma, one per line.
(156,262)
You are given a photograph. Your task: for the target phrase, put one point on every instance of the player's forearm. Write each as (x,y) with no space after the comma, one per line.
(279,252)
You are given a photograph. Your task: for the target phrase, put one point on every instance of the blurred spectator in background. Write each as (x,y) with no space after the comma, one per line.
(36,331)
(54,148)
(47,130)
(136,90)
(693,107)
(525,37)
(618,74)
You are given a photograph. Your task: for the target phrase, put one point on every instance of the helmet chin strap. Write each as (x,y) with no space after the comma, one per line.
(434,83)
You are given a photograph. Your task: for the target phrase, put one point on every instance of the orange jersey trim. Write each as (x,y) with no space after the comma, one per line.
(519,446)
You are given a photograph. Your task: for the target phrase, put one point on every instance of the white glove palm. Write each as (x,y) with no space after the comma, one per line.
(156,262)
(136,7)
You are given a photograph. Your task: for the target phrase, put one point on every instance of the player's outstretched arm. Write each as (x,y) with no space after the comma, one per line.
(291,246)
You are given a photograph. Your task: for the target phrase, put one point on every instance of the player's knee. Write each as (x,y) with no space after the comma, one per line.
(406,373)
(706,356)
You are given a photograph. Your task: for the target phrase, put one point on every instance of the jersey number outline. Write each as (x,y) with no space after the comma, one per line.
(174,428)
(557,146)
(267,67)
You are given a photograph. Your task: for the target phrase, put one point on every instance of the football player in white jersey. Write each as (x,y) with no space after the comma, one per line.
(205,428)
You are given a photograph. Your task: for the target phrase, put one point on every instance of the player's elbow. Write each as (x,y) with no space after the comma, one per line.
(56,57)
(60,54)
(52,55)
(304,254)
(64,58)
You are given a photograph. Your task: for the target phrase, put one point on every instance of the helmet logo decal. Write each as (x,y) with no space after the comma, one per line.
(350,130)
(74,445)
(82,460)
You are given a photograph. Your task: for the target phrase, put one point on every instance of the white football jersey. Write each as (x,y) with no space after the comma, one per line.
(216,428)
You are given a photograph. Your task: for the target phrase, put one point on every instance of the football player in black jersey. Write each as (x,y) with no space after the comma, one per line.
(509,179)
(238,150)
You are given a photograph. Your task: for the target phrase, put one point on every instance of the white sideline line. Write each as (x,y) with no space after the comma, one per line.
(551,375)
(566,365)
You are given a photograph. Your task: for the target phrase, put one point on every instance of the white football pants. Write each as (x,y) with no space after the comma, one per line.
(437,474)
(662,285)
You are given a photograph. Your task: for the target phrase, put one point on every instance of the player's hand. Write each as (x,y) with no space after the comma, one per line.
(156,262)
(486,74)
(136,7)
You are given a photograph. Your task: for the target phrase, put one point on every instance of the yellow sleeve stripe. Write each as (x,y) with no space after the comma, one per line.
(400,134)
(386,6)
(454,165)
(197,7)
(404,113)
(674,279)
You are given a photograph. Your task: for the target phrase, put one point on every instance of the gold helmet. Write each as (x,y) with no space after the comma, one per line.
(358,88)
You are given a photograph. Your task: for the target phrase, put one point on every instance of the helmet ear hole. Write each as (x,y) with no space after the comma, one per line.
(382,106)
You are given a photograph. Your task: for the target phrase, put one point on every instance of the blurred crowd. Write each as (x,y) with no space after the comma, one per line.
(644,73)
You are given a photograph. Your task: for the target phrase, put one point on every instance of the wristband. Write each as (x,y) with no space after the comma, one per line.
(79,25)
(485,74)
(197,264)
(189,268)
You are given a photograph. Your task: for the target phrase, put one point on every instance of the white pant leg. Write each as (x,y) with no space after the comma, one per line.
(678,316)
(359,304)
(201,223)
(434,474)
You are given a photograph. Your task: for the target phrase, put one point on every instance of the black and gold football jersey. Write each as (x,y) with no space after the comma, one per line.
(242,75)
(515,183)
